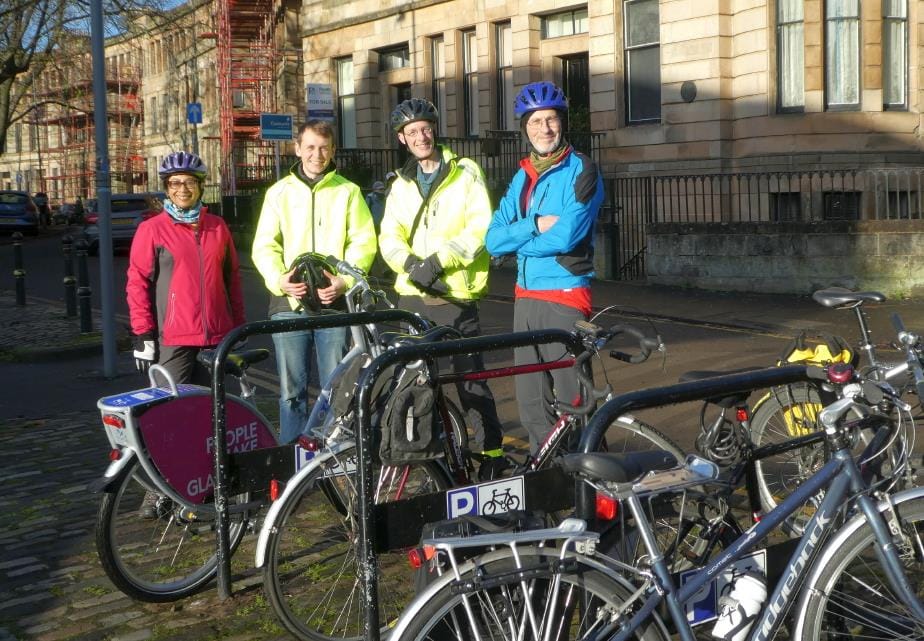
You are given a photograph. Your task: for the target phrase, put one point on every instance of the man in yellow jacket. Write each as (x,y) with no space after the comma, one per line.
(432,237)
(312,209)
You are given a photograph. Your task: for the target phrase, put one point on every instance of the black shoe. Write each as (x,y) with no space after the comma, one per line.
(493,467)
(148,508)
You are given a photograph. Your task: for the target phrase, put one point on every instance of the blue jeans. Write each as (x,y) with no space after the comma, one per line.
(293,362)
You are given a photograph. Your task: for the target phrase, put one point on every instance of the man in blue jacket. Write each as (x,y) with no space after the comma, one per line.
(547,219)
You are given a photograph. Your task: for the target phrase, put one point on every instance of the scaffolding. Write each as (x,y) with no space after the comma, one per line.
(64,116)
(247,64)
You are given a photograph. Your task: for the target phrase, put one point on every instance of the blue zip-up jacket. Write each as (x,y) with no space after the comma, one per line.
(562,257)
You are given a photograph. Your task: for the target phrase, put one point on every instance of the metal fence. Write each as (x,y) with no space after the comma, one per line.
(775,197)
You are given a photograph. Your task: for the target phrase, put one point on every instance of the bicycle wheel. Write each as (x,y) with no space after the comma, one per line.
(578,597)
(312,573)
(853,598)
(778,417)
(629,434)
(157,559)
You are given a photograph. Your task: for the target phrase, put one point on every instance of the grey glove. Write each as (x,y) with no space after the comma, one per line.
(145,352)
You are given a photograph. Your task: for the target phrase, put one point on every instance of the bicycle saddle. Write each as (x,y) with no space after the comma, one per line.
(843,298)
(617,468)
(237,362)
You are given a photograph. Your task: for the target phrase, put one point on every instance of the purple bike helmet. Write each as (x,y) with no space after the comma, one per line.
(539,95)
(182,162)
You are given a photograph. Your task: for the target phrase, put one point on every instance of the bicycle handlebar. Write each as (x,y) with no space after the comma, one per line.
(594,339)
(909,343)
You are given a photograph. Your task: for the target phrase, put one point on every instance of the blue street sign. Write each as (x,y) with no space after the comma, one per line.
(276,126)
(194,113)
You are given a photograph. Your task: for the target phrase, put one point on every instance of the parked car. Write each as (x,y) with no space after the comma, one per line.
(128,211)
(18,212)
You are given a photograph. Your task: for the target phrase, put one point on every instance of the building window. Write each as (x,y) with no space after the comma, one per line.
(842,205)
(505,119)
(790,51)
(643,61)
(895,54)
(470,81)
(153,114)
(17,137)
(438,75)
(567,23)
(346,104)
(786,206)
(842,54)
(396,57)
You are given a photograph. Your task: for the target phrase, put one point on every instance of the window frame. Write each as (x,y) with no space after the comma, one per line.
(470,77)
(627,74)
(781,25)
(503,44)
(385,53)
(905,64)
(438,80)
(828,22)
(342,137)
(575,21)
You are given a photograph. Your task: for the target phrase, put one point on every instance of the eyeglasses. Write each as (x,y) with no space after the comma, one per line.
(189,184)
(417,133)
(552,122)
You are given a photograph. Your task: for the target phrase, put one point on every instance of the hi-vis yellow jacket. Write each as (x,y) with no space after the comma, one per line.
(453,222)
(331,219)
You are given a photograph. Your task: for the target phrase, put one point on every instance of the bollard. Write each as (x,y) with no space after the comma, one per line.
(83,287)
(19,272)
(70,283)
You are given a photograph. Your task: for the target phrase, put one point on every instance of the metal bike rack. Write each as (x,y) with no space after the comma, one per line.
(367,379)
(702,389)
(222,519)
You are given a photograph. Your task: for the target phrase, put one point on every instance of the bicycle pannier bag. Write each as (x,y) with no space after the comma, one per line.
(410,429)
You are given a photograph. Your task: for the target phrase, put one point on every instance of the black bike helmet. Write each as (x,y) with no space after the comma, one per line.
(309,269)
(413,110)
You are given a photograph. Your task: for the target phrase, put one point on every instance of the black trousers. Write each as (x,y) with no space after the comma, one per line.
(475,396)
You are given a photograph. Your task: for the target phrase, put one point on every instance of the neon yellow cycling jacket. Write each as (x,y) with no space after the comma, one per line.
(331,219)
(452,225)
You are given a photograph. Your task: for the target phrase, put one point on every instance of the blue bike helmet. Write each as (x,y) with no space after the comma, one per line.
(539,95)
(182,162)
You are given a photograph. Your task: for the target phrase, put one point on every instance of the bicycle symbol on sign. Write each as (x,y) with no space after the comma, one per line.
(501,502)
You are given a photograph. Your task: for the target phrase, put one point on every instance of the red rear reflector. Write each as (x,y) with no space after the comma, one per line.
(115,454)
(415,557)
(607,507)
(113,421)
(309,443)
(741,414)
(275,490)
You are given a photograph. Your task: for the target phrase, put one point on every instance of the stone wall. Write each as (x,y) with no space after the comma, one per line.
(792,258)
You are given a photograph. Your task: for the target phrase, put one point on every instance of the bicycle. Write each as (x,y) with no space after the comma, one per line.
(162,442)
(793,410)
(311,573)
(555,584)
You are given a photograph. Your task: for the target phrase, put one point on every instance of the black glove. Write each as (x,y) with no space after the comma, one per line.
(424,273)
(145,352)
(410,262)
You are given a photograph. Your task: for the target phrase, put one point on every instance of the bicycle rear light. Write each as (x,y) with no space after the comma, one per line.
(310,443)
(113,421)
(275,490)
(607,507)
(415,556)
(840,373)
(115,454)
(742,414)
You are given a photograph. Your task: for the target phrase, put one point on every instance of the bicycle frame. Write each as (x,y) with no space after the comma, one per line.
(840,475)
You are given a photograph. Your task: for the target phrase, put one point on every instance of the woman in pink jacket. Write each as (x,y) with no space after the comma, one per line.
(184,287)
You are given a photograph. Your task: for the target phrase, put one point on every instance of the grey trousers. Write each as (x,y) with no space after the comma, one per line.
(475,396)
(536,392)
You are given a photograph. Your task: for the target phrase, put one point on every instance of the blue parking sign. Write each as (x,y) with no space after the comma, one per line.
(194,113)
(276,126)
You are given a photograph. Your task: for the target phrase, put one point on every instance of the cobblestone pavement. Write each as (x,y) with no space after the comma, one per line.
(53,588)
